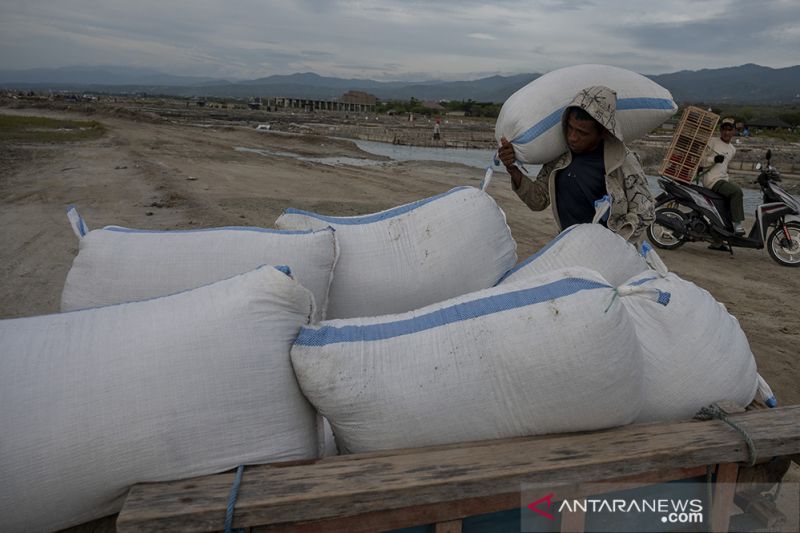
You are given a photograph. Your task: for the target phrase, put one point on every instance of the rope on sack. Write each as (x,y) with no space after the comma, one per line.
(714,412)
(614,296)
(487,178)
(657,295)
(232,495)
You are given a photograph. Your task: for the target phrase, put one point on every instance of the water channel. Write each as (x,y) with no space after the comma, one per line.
(465,156)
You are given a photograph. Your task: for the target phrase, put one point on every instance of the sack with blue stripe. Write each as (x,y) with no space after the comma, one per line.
(695,352)
(415,254)
(531,117)
(116,264)
(196,383)
(585,245)
(553,353)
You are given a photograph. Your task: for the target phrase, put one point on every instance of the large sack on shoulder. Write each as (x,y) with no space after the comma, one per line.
(695,352)
(415,254)
(584,245)
(199,382)
(531,117)
(550,354)
(116,264)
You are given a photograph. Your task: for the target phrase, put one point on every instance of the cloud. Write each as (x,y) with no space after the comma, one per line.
(392,40)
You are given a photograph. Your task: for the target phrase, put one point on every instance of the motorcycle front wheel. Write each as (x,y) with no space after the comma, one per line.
(662,236)
(785,250)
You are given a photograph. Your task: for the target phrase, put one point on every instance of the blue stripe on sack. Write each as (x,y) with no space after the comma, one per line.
(325,335)
(627,104)
(623,104)
(540,127)
(377,217)
(228,228)
(536,255)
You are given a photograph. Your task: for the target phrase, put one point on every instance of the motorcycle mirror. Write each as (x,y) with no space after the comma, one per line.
(769,154)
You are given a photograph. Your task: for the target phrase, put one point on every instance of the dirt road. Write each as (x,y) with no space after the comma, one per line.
(165,176)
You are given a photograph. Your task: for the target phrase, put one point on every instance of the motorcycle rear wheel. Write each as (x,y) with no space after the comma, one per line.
(663,237)
(785,253)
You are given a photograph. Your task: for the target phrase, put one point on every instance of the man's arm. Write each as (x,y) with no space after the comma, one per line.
(641,204)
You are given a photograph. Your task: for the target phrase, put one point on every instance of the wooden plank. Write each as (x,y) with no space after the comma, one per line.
(453,526)
(399,518)
(432,513)
(574,522)
(356,485)
(722,502)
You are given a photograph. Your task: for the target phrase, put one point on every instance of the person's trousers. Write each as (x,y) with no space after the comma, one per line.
(733,193)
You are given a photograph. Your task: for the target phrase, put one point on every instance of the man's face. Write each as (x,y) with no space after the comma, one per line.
(582,135)
(726,133)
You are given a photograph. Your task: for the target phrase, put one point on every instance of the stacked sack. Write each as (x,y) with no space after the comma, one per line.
(694,351)
(163,389)
(172,358)
(553,347)
(116,264)
(538,356)
(415,254)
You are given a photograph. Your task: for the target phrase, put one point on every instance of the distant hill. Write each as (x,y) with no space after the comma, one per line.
(98,76)
(742,85)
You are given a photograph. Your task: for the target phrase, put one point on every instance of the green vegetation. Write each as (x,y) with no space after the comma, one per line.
(41,129)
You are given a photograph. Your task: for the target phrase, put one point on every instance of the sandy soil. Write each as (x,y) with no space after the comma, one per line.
(167,176)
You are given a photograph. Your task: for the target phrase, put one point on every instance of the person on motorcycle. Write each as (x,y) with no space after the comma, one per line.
(597,164)
(714,173)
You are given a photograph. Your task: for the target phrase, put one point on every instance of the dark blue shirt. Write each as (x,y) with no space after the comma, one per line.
(578,185)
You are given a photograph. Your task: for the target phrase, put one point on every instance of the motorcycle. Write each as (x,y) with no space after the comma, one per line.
(689,213)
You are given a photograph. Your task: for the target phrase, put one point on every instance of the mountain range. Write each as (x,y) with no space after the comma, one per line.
(753,84)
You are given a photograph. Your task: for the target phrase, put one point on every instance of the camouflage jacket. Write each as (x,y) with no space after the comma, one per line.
(632,204)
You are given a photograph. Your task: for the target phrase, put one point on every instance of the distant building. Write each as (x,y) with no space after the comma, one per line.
(351,101)
(435,106)
(358,97)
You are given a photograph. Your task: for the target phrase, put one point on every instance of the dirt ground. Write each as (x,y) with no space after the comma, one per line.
(165,176)
(162,175)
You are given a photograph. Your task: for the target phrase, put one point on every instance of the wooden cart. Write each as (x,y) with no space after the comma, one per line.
(443,485)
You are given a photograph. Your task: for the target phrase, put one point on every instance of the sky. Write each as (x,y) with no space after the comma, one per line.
(385,40)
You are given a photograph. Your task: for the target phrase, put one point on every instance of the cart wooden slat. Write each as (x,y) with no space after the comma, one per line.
(400,488)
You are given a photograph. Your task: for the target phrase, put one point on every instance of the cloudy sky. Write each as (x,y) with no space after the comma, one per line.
(397,40)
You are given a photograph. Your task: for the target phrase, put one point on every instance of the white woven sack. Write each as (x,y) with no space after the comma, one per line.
(584,245)
(199,382)
(549,354)
(531,117)
(116,264)
(415,254)
(695,352)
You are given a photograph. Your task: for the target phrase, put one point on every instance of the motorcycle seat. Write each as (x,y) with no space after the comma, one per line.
(708,193)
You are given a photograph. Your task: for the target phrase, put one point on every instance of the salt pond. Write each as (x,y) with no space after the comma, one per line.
(465,156)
